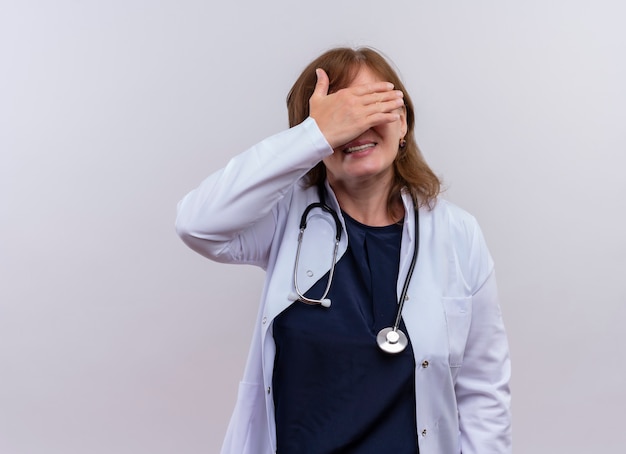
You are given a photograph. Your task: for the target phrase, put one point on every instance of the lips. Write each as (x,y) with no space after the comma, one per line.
(354,147)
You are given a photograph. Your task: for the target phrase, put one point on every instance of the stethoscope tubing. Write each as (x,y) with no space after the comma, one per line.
(390,340)
(338,230)
(409,275)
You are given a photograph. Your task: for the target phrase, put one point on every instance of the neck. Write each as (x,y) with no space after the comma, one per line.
(369,203)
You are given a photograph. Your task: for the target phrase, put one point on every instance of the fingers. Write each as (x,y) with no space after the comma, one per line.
(384,109)
(376,87)
(374,92)
(370,93)
(347,113)
(321,87)
(379,118)
(391,99)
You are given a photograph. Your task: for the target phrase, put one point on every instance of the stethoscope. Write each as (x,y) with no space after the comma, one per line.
(390,340)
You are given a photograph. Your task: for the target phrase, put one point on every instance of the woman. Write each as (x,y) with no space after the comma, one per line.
(316,380)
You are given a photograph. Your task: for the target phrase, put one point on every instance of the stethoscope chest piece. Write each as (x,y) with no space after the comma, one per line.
(392,340)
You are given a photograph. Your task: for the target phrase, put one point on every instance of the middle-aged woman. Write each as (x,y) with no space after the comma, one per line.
(333,367)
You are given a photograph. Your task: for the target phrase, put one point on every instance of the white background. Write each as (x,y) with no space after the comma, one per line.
(115,338)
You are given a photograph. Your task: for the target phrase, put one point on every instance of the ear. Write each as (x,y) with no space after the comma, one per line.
(403,125)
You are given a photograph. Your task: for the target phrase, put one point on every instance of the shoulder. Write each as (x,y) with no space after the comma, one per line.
(446,214)
(463,235)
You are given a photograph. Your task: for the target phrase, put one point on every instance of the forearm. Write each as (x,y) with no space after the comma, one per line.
(243,194)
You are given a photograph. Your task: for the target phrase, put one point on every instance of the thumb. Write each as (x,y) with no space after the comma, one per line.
(321,87)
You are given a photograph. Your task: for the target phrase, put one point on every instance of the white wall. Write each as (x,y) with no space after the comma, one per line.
(114,338)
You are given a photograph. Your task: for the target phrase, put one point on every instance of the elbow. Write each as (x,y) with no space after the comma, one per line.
(183,227)
(185,233)
(189,224)
(189,233)
(201,241)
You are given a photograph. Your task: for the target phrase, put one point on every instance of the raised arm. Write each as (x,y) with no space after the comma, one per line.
(229,217)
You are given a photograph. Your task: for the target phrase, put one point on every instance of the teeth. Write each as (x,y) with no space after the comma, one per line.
(359,148)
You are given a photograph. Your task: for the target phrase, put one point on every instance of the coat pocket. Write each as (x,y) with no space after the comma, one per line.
(458,311)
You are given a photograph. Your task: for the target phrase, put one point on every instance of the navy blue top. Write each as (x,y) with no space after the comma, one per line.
(335,391)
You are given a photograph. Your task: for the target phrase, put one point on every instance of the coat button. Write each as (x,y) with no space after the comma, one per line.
(309,273)
(425,364)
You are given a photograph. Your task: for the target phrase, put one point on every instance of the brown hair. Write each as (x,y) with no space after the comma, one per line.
(342,65)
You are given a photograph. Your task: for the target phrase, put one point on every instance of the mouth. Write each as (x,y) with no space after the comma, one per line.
(356,148)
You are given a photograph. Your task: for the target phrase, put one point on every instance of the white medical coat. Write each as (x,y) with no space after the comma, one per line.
(249,212)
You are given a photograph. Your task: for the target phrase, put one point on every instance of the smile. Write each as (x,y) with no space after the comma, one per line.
(357,148)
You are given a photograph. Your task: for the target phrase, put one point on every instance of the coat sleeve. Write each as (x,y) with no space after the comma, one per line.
(231,217)
(482,386)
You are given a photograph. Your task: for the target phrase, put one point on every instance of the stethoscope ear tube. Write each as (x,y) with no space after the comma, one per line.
(325,302)
(327,209)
